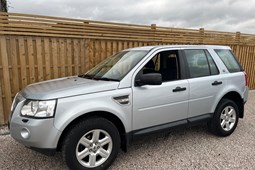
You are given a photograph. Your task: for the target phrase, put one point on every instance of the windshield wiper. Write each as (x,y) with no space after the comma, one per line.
(86,76)
(106,79)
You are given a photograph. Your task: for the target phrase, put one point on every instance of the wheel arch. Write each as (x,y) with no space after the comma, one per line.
(107,115)
(236,97)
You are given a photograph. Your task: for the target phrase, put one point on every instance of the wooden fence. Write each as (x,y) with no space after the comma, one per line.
(35,48)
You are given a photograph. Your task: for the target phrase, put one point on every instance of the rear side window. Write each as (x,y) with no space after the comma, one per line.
(200,63)
(229,60)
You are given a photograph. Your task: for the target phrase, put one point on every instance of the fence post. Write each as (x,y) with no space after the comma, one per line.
(201,33)
(1,106)
(153,29)
(238,38)
(5,78)
(237,42)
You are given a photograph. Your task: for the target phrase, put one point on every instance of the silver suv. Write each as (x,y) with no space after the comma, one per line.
(135,92)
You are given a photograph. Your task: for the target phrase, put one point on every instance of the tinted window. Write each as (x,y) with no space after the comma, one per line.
(229,60)
(213,68)
(197,63)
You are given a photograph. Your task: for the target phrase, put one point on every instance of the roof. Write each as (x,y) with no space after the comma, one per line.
(148,48)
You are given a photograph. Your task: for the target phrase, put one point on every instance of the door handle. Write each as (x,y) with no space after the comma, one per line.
(216,83)
(179,89)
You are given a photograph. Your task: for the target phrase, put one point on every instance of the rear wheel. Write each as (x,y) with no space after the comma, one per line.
(91,144)
(225,118)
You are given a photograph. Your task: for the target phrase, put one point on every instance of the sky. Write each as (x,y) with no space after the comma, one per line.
(219,15)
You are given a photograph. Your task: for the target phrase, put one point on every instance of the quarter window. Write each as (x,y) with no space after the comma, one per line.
(229,60)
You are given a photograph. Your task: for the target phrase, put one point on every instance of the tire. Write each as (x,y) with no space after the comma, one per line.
(95,140)
(225,118)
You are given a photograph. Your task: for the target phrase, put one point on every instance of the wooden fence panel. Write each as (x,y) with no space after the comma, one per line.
(35,48)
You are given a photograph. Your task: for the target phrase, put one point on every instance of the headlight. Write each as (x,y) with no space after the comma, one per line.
(40,109)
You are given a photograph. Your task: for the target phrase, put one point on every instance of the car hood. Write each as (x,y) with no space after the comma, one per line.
(66,87)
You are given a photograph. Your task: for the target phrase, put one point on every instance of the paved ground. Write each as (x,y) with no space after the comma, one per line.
(192,148)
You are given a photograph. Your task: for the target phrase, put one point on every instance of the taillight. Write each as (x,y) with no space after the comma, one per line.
(246,79)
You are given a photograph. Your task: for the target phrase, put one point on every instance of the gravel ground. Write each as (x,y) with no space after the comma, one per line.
(192,148)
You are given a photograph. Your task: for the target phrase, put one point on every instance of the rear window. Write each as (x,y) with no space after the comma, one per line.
(229,60)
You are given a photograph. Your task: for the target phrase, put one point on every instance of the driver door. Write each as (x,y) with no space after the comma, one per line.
(158,106)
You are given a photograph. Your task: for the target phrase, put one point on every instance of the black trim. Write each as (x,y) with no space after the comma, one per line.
(241,115)
(177,89)
(158,128)
(199,119)
(45,151)
(208,55)
(184,65)
(125,143)
(215,83)
(168,126)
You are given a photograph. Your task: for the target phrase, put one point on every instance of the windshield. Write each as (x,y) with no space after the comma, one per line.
(115,67)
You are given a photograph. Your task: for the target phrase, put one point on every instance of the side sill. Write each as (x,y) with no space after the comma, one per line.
(136,134)
(159,128)
(199,119)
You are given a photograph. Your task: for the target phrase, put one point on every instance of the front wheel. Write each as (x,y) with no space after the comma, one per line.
(225,118)
(91,144)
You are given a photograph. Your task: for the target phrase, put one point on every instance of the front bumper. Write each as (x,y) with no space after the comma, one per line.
(37,134)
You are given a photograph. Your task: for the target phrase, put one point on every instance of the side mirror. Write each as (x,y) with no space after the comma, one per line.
(149,79)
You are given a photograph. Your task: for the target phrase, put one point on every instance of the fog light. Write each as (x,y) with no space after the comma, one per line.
(25,133)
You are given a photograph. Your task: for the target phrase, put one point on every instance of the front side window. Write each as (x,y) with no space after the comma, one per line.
(117,66)
(229,60)
(166,63)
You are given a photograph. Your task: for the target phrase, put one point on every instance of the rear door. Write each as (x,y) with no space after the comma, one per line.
(204,80)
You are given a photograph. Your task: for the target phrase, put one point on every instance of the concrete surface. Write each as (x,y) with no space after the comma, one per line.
(192,148)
